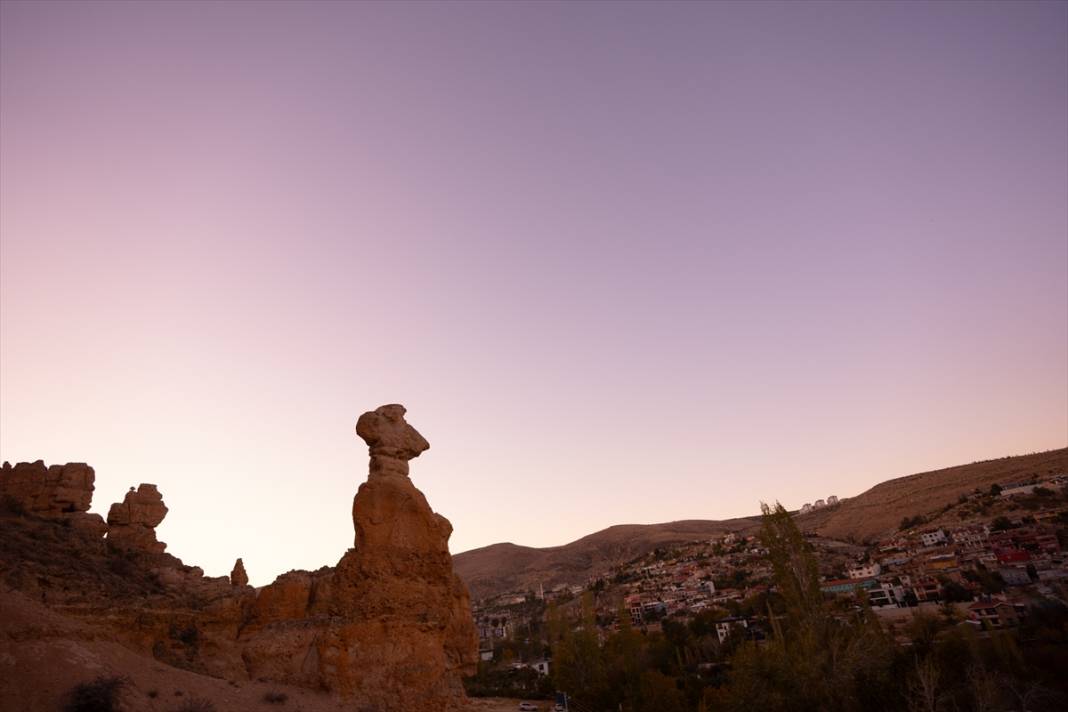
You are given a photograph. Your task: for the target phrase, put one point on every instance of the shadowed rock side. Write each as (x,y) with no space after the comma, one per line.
(391,625)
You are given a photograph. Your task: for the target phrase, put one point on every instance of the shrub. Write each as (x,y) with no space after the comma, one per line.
(196,704)
(910,522)
(1000,524)
(275,698)
(99,695)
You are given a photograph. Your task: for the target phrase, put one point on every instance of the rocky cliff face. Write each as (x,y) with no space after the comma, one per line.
(60,492)
(388,629)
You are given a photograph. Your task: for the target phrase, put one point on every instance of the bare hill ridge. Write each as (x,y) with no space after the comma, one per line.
(498,568)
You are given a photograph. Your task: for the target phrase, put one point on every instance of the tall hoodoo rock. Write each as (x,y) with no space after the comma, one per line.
(132,522)
(391,626)
(62,492)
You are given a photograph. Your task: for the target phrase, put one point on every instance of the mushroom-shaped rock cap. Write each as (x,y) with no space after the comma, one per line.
(391,441)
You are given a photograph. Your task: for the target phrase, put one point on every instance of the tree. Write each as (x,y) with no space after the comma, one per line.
(1000,524)
(815,658)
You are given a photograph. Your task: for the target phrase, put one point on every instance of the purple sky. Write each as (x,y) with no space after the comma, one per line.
(622,262)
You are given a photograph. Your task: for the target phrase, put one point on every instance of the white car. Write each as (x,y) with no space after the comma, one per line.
(528,707)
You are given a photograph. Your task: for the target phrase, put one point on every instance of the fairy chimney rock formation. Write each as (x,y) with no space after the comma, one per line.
(62,492)
(238,577)
(132,522)
(390,627)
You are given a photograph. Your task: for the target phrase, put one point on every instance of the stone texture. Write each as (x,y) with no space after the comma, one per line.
(61,492)
(238,577)
(132,523)
(390,627)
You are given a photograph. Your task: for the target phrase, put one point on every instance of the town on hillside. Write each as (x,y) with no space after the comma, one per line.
(985,562)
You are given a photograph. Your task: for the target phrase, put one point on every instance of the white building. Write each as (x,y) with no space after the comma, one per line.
(806,508)
(933,538)
(724,626)
(864,572)
(819,504)
(973,538)
(832,500)
(886,594)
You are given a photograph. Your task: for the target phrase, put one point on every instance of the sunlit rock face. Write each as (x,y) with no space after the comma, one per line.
(391,625)
(61,492)
(132,522)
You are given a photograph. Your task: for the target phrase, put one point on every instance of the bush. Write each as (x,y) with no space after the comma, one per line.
(195,704)
(1000,524)
(910,522)
(275,698)
(99,695)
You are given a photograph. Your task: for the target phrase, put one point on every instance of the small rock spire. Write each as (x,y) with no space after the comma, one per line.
(238,577)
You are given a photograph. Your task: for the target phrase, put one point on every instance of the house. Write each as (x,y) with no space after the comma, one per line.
(847,585)
(926,588)
(994,614)
(933,538)
(861,572)
(497,625)
(832,500)
(1012,556)
(1013,576)
(819,504)
(972,538)
(806,508)
(1019,488)
(941,562)
(634,605)
(542,666)
(724,626)
(886,594)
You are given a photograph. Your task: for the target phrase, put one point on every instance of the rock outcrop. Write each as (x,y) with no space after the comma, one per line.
(388,629)
(62,492)
(238,577)
(391,626)
(132,522)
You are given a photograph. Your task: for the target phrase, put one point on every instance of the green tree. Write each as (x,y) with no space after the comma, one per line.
(815,658)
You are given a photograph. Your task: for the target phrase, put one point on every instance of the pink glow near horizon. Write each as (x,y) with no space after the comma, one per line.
(622,263)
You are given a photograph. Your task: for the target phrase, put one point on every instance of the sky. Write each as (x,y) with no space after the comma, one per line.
(623,263)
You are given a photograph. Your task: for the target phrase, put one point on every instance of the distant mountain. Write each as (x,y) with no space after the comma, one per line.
(505,567)
(498,568)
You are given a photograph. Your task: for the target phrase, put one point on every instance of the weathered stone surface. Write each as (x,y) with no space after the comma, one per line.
(390,626)
(391,441)
(132,523)
(49,492)
(238,577)
(92,525)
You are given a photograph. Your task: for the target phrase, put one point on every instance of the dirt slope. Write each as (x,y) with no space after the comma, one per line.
(880,510)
